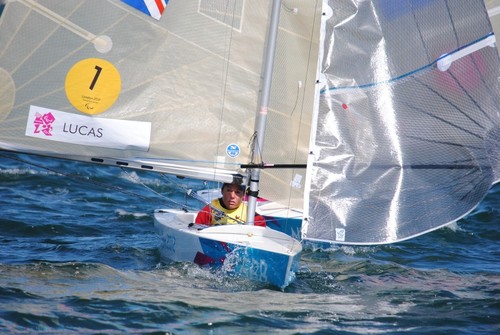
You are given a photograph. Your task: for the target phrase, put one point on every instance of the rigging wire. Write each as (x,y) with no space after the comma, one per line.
(253,143)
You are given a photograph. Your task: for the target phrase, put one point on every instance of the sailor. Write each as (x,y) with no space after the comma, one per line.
(229,209)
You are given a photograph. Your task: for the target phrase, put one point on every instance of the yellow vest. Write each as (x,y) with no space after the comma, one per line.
(233,216)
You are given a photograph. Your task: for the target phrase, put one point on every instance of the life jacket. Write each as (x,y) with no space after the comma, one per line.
(233,216)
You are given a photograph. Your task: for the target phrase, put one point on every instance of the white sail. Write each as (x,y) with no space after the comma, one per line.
(100,81)
(403,144)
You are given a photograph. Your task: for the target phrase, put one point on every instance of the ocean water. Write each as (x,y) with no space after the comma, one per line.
(79,255)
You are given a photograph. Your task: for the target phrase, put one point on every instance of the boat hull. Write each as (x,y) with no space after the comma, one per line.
(253,252)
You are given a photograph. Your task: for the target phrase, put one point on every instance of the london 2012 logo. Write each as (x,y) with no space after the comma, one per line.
(43,123)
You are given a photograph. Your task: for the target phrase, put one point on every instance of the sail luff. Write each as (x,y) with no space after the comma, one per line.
(320,85)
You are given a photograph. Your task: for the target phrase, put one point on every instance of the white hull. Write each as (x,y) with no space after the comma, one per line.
(257,253)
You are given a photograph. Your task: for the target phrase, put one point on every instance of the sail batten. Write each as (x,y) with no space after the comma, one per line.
(59,20)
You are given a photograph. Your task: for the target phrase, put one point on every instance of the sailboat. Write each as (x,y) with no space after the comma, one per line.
(357,122)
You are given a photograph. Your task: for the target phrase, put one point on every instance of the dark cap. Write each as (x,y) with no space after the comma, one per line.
(241,186)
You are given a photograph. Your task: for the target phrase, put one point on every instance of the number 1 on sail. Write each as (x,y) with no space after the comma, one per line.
(98,72)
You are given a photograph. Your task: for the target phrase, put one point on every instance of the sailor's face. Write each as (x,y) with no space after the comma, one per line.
(232,195)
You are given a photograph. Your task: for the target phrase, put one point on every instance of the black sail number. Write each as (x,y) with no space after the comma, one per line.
(97,73)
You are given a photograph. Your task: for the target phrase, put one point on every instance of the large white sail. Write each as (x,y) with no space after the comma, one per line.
(403,144)
(100,81)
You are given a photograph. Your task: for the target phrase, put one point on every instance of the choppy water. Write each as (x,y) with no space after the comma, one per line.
(76,257)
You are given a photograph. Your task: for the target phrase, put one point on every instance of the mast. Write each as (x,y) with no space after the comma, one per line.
(260,123)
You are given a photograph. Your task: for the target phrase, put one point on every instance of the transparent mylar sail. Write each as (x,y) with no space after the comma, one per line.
(402,146)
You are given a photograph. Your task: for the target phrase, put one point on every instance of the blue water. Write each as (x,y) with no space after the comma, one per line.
(78,254)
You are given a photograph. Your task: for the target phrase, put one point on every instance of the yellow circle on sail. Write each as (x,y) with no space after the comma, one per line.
(92,85)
